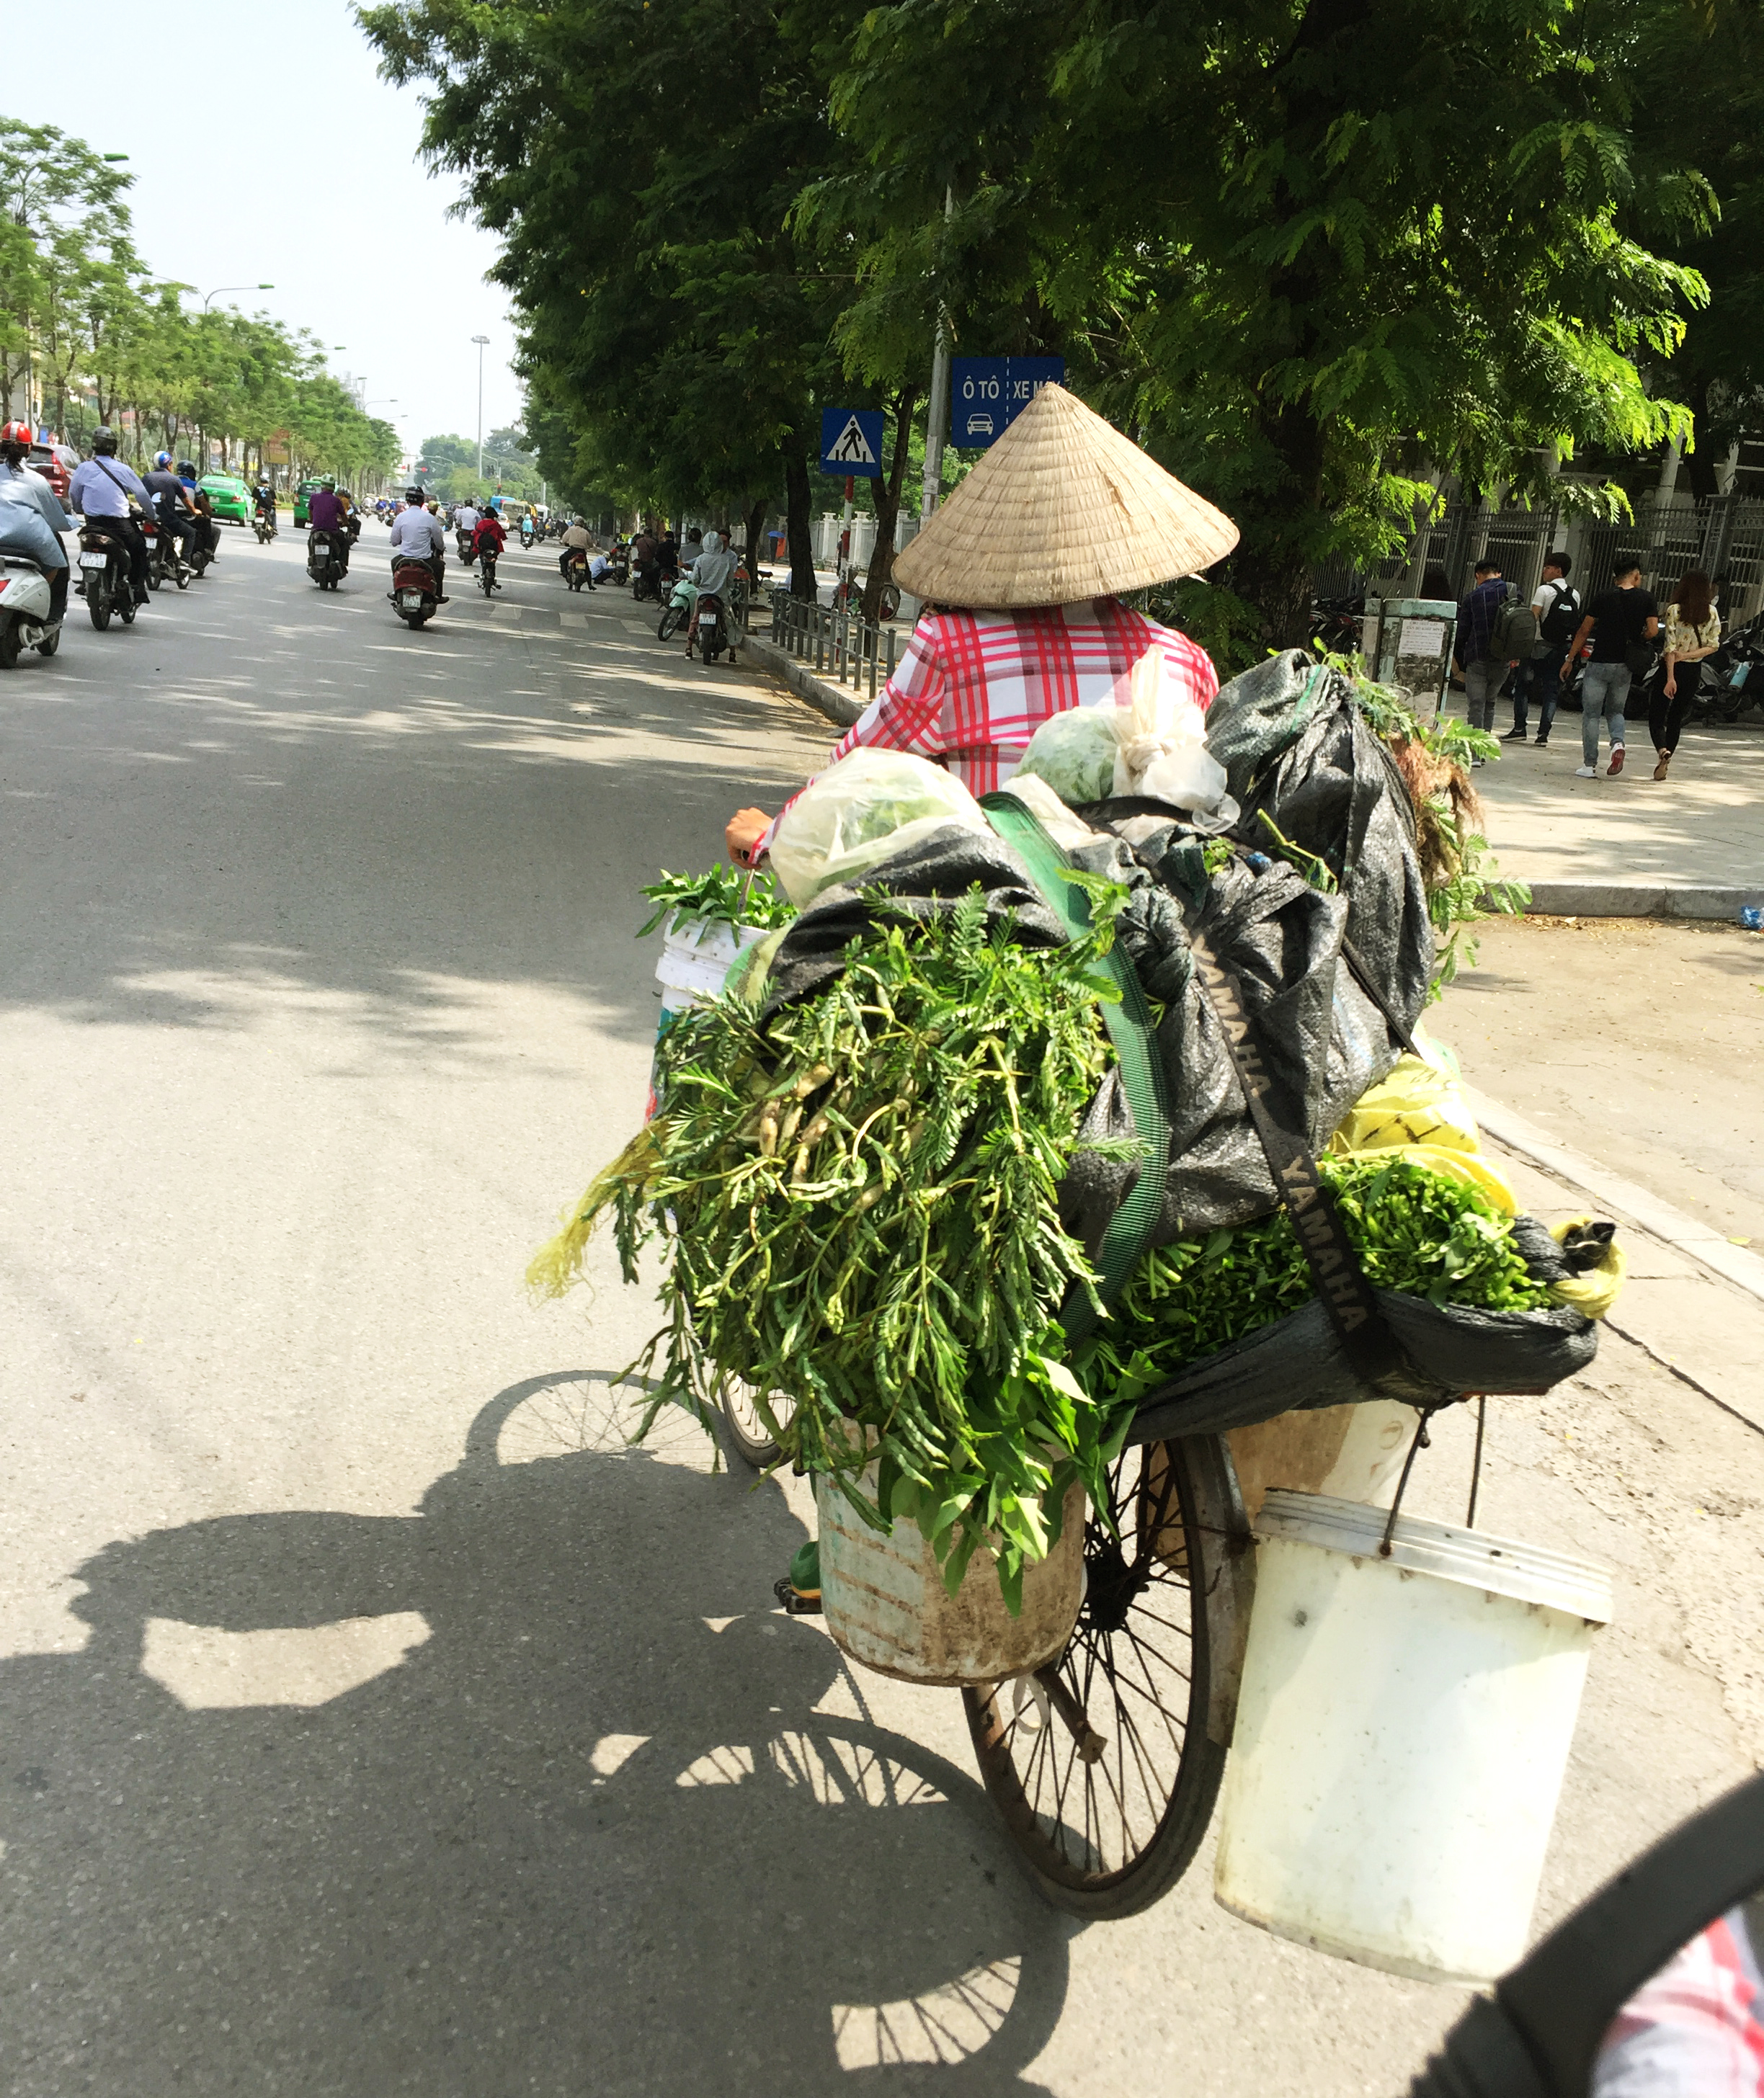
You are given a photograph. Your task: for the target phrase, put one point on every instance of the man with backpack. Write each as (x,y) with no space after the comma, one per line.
(1556,606)
(1495,634)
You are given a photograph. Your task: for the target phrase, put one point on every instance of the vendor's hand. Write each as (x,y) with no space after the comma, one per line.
(1567,671)
(743,832)
(1671,688)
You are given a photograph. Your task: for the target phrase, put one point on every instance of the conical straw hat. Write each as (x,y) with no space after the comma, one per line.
(1063,507)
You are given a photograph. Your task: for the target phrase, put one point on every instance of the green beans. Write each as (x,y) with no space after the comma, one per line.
(858,1205)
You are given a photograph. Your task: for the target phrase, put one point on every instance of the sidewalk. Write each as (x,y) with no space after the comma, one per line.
(1691,846)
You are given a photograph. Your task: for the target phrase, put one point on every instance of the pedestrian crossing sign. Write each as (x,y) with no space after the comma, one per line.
(851,442)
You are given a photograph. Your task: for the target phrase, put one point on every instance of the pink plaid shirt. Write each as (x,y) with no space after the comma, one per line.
(974,686)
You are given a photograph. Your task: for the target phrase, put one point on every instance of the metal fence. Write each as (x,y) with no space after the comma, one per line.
(843,646)
(1722,534)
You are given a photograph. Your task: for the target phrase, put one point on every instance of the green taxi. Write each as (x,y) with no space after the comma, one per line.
(228,495)
(303,496)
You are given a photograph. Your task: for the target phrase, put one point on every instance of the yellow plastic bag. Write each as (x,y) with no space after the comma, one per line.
(1593,1293)
(1419,1101)
(1475,1167)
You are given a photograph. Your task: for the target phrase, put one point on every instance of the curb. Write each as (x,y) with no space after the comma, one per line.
(1685,1233)
(840,707)
(1636,899)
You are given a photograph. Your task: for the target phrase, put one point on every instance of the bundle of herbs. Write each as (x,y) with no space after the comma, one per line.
(857,1199)
(1425,1233)
(722,896)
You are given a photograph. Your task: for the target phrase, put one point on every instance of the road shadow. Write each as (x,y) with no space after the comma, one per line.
(579,1839)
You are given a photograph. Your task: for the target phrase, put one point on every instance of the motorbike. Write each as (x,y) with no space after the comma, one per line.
(575,575)
(714,632)
(104,566)
(413,593)
(527,534)
(24,620)
(263,524)
(1731,680)
(487,571)
(165,559)
(678,612)
(466,554)
(619,565)
(646,581)
(326,558)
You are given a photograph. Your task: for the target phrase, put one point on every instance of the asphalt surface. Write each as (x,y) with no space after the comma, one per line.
(371,1718)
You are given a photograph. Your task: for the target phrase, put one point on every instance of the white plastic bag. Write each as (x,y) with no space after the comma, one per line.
(1154,745)
(861,811)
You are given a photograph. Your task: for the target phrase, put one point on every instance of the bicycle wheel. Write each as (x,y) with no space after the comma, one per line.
(1109,1797)
(744,1432)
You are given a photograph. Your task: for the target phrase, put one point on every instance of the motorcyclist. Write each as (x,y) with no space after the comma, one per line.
(646,561)
(578,539)
(668,556)
(710,572)
(204,508)
(465,524)
(417,535)
(107,489)
(175,511)
(488,537)
(263,498)
(32,520)
(352,514)
(326,512)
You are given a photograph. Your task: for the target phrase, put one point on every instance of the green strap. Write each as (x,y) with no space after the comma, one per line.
(1129,1023)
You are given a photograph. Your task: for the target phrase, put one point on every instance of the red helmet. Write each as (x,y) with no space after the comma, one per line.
(16,433)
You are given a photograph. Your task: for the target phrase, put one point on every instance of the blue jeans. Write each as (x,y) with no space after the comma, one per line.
(1540,679)
(1604,690)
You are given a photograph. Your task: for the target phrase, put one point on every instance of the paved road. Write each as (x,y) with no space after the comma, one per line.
(370,1718)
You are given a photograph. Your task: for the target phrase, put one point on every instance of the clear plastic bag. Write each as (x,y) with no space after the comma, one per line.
(861,811)
(1154,745)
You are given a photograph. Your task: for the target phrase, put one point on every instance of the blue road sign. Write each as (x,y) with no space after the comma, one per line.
(988,394)
(851,441)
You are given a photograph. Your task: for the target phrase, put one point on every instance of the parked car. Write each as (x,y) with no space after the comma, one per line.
(229,494)
(303,496)
(55,463)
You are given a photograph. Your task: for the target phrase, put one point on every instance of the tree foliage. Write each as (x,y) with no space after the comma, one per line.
(106,343)
(1314,254)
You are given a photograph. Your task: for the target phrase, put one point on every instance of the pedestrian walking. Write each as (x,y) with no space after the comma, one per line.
(1481,646)
(1622,621)
(1693,632)
(1555,602)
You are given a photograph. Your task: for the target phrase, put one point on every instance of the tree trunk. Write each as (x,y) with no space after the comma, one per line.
(799,517)
(756,531)
(1272,566)
(1703,464)
(888,490)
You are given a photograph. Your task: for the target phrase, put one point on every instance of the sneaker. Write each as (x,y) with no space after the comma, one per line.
(1616,761)
(1514,736)
(1543,742)
(1585,772)
(1476,764)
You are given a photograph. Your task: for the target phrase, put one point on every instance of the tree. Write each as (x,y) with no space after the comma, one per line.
(671,315)
(1302,250)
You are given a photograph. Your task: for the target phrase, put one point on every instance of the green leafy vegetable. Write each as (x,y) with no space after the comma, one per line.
(859,1206)
(724,895)
(1414,1230)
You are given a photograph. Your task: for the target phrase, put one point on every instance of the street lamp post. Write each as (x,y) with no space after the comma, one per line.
(219,288)
(483,344)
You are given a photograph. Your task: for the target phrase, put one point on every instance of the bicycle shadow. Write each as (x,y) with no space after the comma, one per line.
(588,1832)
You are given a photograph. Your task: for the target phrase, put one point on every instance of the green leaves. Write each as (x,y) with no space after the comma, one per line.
(1414,1230)
(858,1206)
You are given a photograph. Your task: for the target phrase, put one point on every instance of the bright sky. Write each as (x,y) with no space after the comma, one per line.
(264,147)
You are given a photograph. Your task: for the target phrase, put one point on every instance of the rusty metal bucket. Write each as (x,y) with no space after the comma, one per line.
(886,1605)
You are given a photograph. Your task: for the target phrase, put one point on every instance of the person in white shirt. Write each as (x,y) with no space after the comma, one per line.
(1556,603)
(417,536)
(101,487)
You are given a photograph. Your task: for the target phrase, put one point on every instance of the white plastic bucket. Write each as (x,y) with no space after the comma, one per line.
(886,1606)
(697,955)
(1401,1735)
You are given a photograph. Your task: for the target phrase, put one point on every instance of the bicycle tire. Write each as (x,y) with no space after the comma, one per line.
(1148,1627)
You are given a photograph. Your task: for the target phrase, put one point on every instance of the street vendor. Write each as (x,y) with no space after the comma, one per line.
(1020,571)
